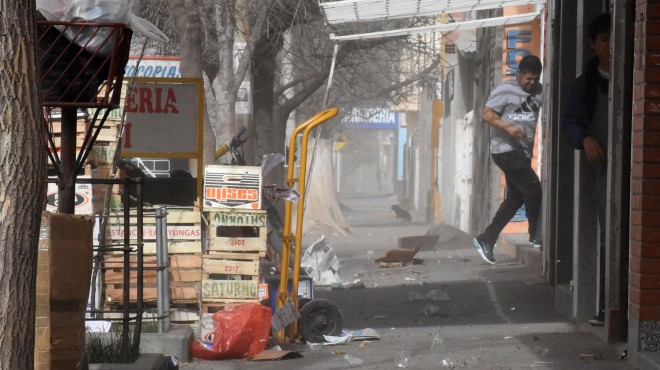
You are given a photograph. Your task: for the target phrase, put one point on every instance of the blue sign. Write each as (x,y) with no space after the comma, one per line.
(373,118)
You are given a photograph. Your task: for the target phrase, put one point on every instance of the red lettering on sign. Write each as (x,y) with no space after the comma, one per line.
(127,135)
(147,100)
(225,193)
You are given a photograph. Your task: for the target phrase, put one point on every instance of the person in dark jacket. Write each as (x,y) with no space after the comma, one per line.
(586,126)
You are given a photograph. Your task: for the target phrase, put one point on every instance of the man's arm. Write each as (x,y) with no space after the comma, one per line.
(574,124)
(495,120)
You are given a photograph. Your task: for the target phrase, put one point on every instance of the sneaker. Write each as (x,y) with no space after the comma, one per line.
(534,244)
(485,250)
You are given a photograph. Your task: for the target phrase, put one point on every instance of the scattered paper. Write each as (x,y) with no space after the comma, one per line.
(362,334)
(321,263)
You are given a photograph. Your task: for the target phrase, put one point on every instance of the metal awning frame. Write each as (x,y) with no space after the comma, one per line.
(346,11)
(446,27)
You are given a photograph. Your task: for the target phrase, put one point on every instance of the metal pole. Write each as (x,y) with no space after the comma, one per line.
(163,282)
(66,188)
(127,270)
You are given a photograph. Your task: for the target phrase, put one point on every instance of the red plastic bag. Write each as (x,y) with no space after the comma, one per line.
(204,350)
(241,331)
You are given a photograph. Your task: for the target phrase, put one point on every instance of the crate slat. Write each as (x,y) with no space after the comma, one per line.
(237,217)
(230,267)
(221,290)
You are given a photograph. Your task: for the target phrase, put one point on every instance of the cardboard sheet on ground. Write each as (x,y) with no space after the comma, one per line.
(275,355)
(321,263)
(399,257)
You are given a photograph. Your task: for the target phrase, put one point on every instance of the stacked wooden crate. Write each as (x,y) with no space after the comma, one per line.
(237,239)
(185,258)
(101,159)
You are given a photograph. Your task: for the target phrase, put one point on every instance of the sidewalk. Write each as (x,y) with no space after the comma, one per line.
(484,316)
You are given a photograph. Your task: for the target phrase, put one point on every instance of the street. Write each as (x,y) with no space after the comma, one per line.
(452,311)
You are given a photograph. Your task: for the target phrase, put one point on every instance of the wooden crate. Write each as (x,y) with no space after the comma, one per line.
(184,249)
(182,268)
(179,292)
(184,231)
(237,231)
(185,274)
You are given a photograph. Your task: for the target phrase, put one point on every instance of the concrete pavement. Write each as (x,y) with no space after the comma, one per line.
(483,316)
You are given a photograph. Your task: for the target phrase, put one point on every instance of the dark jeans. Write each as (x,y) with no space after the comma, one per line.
(523,187)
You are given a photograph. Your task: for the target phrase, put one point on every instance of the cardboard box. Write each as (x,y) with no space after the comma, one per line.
(232,187)
(64,268)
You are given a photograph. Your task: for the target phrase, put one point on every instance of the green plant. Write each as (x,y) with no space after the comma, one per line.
(106,348)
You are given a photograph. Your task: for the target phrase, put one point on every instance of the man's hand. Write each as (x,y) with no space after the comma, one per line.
(593,150)
(493,118)
(515,132)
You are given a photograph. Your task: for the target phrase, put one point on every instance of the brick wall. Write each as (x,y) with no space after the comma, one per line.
(644,294)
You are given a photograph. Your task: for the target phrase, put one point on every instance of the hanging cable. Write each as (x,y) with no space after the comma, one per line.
(318,129)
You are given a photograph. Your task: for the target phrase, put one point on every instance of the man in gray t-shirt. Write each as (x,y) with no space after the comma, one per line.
(512,111)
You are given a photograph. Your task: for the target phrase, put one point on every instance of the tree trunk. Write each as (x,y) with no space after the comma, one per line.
(269,133)
(22,175)
(186,13)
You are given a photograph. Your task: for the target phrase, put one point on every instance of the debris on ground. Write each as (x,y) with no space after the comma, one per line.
(275,355)
(356,284)
(398,257)
(353,360)
(321,263)
(430,310)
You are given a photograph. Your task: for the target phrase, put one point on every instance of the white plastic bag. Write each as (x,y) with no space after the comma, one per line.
(110,11)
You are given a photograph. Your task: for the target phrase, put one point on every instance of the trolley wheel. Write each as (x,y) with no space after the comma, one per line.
(302,302)
(318,318)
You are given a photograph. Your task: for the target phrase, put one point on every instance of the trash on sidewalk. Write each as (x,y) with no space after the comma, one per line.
(347,336)
(402,359)
(353,360)
(275,355)
(332,340)
(321,263)
(363,334)
(356,284)
(431,310)
(399,257)
(241,332)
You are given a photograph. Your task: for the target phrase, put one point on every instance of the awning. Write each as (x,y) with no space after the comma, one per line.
(447,27)
(345,11)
